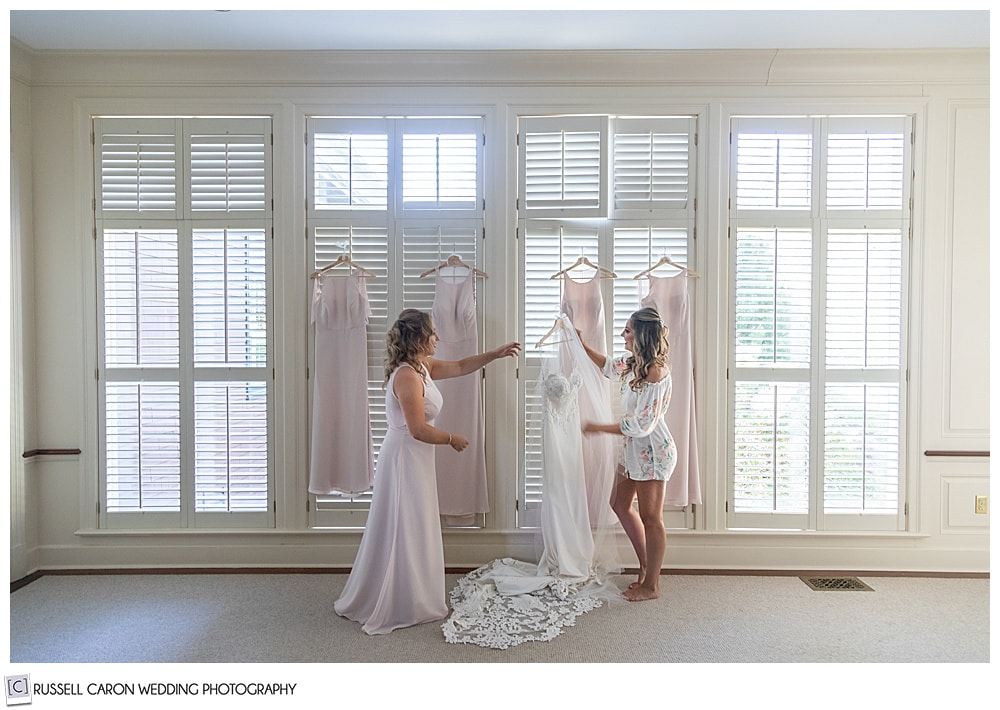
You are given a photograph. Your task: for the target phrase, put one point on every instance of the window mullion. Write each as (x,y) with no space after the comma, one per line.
(186,369)
(817,387)
(185,284)
(394,200)
(394,220)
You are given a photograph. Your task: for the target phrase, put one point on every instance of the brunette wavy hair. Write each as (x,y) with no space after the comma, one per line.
(406,337)
(649,345)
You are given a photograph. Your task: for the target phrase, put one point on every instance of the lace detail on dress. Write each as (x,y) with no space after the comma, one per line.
(562,401)
(484,616)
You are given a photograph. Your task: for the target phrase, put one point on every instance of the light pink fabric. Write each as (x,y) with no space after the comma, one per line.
(398,576)
(341,456)
(669,296)
(461,476)
(583,304)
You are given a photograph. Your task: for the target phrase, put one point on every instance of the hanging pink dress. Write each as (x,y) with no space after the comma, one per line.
(583,304)
(341,453)
(669,296)
(461,476)
(398,576)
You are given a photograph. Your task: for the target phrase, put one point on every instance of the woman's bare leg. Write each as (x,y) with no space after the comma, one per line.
(650,495)
(621,502)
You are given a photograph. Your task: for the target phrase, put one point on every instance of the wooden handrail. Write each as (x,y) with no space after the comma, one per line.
(50,452)
(957,453)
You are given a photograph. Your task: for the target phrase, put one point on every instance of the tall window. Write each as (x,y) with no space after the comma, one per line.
(617,190)
(819,246)
(183,228)
(399,195)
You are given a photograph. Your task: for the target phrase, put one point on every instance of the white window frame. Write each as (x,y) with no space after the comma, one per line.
(590,231)
(405,240)
(818,220)
(182,218)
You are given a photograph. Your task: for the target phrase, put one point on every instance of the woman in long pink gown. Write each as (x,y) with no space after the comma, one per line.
(398,576)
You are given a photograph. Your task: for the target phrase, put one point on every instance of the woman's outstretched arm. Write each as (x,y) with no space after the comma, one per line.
(443,369)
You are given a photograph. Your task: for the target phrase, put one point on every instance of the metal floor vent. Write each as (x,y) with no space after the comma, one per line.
(836,584)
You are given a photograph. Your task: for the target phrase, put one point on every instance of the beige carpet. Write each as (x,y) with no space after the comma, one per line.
(289,618)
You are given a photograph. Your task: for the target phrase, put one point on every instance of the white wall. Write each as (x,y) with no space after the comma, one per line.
(57,93)
(23,526)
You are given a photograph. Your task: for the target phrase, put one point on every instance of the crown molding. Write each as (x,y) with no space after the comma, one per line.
(506,68)
(20,61)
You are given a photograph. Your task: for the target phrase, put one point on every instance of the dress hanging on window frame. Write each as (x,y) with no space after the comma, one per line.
(341,453)
(583,305)
(669,296)
(461,476)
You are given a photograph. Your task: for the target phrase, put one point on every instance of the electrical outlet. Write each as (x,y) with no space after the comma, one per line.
(982,505)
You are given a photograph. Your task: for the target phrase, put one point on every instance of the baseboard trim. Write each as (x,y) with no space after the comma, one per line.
(25,581)
(34,576)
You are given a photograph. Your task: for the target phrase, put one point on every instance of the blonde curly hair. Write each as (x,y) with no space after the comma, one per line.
(410,333)
(649,345)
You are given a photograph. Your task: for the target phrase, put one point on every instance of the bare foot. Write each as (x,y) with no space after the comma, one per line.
(639,593)
(638,582)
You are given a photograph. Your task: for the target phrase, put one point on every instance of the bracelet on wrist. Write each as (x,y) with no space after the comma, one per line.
(449,439)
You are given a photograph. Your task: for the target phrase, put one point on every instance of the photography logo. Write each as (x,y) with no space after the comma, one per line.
(18,690)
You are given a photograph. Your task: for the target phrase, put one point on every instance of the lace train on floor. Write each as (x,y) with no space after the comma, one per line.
(507,602)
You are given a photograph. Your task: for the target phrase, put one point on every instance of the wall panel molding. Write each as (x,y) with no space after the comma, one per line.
(967,363)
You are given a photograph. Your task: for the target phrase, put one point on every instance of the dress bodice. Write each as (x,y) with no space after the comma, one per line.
(560,394)
(340,302)
(454,307)
(394,411)
(583,303)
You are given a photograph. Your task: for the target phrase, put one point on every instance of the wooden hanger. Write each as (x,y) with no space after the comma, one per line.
(342,259)
(665,260)
(584,261)
(454,260)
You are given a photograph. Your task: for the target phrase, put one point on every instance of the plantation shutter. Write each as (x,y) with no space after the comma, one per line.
(231,449)
(137,176)
(864,349)
(772,351)
(549,246)
(230,333)
(141,417)
(652,164)
(867,164)
(348,189)
(442,166)
(230,165)
(138,168)
(773,309)
(817,370)
(399,196)
(654,206)
(774,164)
(651,177)
(142,448)
(636,249)
(183,317)
(348,165)
(563,169)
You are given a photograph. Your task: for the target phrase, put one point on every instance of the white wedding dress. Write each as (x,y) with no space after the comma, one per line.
(508,601)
